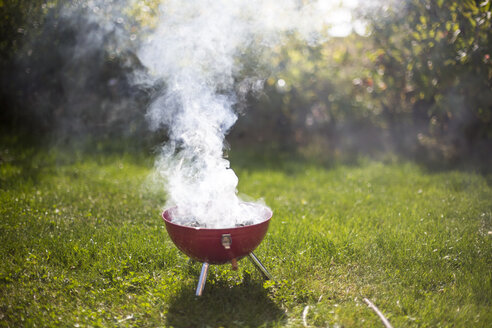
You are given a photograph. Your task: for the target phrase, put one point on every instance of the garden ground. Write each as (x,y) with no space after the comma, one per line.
(82,244)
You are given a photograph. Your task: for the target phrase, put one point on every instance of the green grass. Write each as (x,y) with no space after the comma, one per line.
(82,244)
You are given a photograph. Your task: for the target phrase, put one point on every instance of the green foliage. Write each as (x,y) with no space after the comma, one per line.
(323,106)
(68,71)
(82,244)
(418,83)
(18,19)
(436,68)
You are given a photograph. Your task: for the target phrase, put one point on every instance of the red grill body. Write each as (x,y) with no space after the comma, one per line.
(206,245)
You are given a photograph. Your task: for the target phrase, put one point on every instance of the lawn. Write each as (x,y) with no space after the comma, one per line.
(82,244)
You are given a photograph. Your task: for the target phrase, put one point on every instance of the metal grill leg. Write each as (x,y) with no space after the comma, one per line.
(202,279)
(260,266)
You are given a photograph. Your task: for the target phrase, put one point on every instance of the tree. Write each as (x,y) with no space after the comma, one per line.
(435,59)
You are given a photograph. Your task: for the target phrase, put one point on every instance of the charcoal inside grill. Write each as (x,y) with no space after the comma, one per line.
(189,222)
(243,224)
(194,223)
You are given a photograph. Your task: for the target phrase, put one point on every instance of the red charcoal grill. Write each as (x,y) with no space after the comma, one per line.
(218,246)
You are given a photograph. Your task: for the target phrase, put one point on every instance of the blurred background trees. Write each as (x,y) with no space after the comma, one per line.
(417,81)
(433,59)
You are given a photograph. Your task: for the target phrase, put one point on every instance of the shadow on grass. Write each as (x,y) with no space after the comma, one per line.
(221,305)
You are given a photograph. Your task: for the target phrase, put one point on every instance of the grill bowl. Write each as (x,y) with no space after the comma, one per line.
(205,245)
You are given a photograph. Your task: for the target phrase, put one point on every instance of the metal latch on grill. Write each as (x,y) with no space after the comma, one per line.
(226,240)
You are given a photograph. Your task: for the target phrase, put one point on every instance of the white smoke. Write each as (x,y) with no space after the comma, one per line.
(196,49)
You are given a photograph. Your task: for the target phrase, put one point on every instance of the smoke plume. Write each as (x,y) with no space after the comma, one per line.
(197,50)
